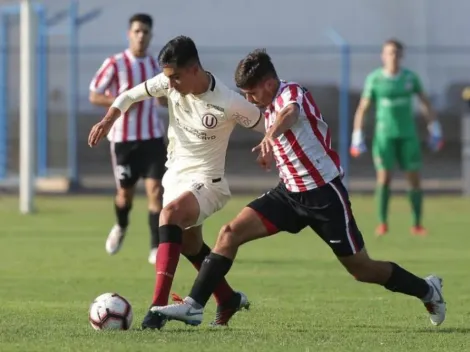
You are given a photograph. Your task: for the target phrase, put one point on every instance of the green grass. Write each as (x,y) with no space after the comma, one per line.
(53,264)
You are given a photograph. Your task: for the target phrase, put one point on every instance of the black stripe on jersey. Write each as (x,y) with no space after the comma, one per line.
(146,89)
(257,122)
(212,82)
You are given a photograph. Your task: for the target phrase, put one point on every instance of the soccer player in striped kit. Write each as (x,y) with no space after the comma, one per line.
(310,194)
(138,148)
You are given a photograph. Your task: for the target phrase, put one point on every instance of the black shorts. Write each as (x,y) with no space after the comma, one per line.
(326,210)
(138,159)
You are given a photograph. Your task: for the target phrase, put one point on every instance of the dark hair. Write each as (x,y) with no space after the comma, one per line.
(141,17)
(180,52)
(255,67)
(396,43)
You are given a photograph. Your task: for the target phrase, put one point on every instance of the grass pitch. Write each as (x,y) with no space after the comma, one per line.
(53,264)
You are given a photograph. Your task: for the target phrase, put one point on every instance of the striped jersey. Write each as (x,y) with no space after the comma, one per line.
(303,153)
(119,73)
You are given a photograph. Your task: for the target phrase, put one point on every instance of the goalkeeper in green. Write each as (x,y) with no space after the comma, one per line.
(396,140)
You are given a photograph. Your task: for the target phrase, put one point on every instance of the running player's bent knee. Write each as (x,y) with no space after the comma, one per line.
(171,214)
(227,237)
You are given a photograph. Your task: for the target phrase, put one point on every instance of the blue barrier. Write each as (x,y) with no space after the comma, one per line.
(44,30)
(344,132)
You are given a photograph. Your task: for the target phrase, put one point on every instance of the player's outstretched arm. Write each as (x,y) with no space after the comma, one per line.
(154,87)
(285,119)
(245,113)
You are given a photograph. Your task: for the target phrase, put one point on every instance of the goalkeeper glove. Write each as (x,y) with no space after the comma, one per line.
(358,146)
(435,140)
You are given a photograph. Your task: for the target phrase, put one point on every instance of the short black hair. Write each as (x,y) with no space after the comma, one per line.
(180,52)
(396,43)
(255,67)
(141,17)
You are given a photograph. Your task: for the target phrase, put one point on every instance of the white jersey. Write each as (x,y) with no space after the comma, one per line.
(303,153)
(119,73)
(200,125)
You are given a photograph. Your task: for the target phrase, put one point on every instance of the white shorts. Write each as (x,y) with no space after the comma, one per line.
(211,194)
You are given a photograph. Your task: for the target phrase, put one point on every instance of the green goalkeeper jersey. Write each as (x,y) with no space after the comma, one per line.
(393,98)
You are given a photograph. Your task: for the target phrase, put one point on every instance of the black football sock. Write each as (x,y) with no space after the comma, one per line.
(212,272)
(154,224)
(198,259)
(405,282)
(122,215)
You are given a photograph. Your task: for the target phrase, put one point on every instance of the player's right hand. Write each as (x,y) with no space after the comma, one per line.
(265,161)
(265,152)
(99,131)
(358,145)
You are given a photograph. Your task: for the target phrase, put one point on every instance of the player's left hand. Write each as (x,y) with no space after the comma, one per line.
(99,131)
(435,140)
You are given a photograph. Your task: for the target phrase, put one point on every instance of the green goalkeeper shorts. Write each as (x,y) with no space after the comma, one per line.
(404,151)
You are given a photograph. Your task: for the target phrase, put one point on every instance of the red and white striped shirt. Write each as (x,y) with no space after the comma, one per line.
(119,73)
(303,153)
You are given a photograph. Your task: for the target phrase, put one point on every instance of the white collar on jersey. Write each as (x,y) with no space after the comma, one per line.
(211,85)
(129,53)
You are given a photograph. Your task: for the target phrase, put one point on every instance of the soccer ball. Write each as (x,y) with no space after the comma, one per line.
(110,311)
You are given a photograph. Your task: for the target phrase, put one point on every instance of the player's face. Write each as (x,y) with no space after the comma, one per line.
(262,94)
(181,79)
(139,37)
(391,56)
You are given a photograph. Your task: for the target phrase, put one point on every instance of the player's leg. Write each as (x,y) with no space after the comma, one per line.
(340,231)
(153,154)
(383,151)
(196,250)
(410,162)
(176,216)
(126,177)
(263,217)
(191,203)
(154,191)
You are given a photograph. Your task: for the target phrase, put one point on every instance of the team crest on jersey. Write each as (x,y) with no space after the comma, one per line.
(209,121)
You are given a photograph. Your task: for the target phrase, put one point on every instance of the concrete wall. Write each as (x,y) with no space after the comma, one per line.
(225,30)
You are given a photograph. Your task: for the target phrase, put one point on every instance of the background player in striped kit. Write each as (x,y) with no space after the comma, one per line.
(310,194)
(138,149)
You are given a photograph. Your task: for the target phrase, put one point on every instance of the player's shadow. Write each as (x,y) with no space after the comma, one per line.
(430,330)
(273,261)
(465,331)
(209,330)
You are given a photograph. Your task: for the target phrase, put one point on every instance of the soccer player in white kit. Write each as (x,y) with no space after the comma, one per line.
(310,194)
(203,113)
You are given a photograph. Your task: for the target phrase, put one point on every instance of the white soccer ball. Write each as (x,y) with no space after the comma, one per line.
(110,311)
